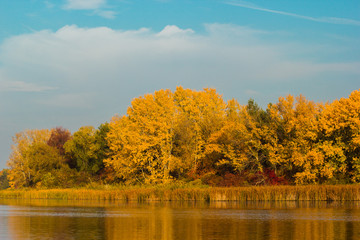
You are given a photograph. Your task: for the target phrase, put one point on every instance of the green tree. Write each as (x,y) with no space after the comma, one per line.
(83,151)
(47,166)
(101,144)
(4,181)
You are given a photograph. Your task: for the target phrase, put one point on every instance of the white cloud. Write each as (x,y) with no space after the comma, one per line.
(80,57)
(83,76)
(84,4)
(172,30)
(331,20)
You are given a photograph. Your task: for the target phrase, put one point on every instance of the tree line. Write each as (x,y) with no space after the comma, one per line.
(187,135)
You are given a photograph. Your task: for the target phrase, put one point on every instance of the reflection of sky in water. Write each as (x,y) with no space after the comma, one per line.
(4,222)
(231,214)
(59,212)
(281,215)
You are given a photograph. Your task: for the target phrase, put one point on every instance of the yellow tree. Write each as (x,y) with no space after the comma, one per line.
(340,128)
(20,173)
(142,142)
(229,141)
(47,167)
(200,114)
(298,153)
(240,142)
(256,135)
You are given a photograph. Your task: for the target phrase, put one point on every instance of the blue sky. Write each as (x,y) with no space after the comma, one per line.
(73,63)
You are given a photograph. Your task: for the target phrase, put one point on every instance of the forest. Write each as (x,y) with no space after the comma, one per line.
(188,136)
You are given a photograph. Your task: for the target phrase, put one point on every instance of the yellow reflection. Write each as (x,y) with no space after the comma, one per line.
(179,221)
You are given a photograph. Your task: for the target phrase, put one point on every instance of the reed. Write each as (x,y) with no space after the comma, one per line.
(165,193)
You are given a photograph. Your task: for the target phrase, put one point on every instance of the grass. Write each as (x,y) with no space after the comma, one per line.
(194,193)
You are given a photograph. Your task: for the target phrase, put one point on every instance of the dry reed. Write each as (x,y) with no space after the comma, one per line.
(263,193)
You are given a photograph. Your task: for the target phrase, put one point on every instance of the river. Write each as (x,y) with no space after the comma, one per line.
(53,219)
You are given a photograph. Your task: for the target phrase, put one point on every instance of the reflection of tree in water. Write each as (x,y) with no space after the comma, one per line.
(48,225)
(186,220)
(149,222)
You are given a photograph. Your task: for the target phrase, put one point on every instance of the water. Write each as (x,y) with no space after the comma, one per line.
(51,219)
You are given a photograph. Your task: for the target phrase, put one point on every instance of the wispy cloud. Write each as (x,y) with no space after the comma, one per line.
(49,4)
(332,20)
(105,14)
(84,4)
(96,6)
(20,86)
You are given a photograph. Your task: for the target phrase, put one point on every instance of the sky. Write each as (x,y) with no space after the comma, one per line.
(74,63)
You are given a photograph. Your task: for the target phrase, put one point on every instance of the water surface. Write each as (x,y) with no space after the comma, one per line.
(52,219)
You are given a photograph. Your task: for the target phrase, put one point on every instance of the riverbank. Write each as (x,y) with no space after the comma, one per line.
(262,193)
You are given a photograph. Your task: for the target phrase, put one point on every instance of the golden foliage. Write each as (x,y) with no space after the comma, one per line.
(340,126)
(20,173)
(164,132)
(196,135)
(142,141)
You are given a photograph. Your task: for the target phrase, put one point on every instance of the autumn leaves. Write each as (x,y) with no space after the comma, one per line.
(172,135)
(188,135)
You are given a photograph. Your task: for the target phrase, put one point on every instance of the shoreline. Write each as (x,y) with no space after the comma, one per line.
(145,194)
